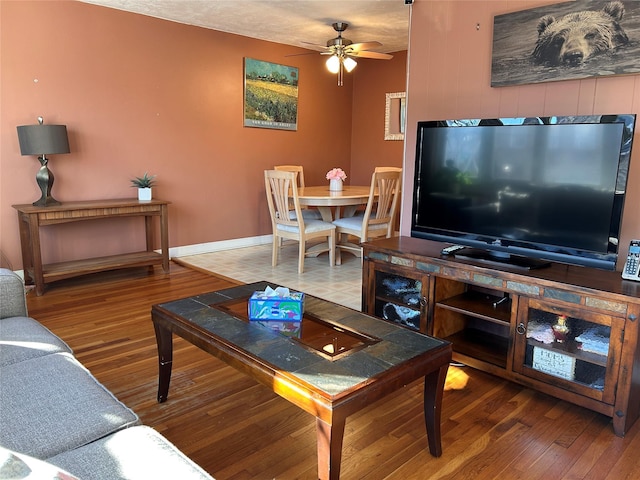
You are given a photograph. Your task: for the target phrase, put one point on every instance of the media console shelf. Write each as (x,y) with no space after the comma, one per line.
(31,218)
(571,332)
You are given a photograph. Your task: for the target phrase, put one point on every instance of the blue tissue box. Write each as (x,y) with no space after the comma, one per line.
(283,309)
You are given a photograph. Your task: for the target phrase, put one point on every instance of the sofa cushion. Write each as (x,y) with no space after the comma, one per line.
(52,403)
(14,465)
(137,453)
(22,338)
(12,300)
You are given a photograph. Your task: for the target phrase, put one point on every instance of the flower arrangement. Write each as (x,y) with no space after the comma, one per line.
(146,181)
(336,174)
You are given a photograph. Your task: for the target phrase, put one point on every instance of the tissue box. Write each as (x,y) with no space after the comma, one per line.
(288,308)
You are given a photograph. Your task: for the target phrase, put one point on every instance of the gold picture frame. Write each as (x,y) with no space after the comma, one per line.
(394,115)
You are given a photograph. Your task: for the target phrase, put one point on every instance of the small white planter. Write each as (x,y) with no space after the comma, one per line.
(144,194)
(335,185)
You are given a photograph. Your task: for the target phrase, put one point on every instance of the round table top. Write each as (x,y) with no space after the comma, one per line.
(322,196)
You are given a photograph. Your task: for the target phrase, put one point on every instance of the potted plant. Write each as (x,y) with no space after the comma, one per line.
(144,185)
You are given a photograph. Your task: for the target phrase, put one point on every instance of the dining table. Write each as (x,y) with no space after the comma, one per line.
(334,204)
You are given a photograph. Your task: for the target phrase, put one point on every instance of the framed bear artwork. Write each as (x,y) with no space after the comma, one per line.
(566,41)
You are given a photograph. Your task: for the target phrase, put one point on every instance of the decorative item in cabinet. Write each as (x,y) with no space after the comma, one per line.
(398,299)
(578,353)
(575,349)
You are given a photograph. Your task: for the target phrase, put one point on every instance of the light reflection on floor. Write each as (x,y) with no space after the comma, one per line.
(457,379)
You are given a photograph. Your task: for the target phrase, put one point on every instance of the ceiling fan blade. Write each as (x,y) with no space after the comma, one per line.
(301,54)
(376,55)
(364,45)
(322,47)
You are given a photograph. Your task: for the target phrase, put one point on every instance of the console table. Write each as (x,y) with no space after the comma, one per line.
(31,218)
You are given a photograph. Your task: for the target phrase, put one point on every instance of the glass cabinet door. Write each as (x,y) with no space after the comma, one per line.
(568,347)
(399,299)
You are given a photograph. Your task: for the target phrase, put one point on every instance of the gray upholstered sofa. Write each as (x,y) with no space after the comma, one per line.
(57,421)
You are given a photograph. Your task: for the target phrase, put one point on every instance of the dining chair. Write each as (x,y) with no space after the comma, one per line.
(377,220)
(391,169)
(280,194)
(388,169)
(307,213)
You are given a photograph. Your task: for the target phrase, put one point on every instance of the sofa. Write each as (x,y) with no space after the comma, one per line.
(57,421)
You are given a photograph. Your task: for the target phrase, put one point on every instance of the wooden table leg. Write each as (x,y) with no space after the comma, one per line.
(164,236)
(329,448)
(25,245)
(433,393)
(164,339)
(36,254)
(326,213)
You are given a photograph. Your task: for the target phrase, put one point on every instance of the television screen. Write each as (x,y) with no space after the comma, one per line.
(543,188)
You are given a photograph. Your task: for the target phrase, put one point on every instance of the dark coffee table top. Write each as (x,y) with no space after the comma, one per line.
(332,377)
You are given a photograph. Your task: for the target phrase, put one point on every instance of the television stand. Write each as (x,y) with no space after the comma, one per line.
(498,258)
(567,331)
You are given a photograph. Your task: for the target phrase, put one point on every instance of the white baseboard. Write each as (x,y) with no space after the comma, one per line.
(209,247)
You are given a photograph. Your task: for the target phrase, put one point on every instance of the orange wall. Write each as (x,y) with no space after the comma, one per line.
(141,94)
(449,65)
(368,147)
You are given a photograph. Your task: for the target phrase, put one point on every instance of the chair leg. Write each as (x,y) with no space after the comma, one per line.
(301,251)
(332,248)
(339,239)
(274,250)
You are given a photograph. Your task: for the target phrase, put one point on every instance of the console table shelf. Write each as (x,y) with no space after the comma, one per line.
(31,218)
(511,322)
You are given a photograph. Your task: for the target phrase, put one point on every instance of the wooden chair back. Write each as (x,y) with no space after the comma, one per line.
(293,168)
(309,213)
(281,197)
(381,209)
(388,169)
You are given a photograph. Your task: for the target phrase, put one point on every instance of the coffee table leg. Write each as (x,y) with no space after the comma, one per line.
(329,448)
(433,392)
(165,359)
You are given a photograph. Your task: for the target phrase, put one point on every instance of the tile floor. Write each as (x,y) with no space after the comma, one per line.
(340,284)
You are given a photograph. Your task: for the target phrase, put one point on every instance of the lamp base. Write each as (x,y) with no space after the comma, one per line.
(45,178)
(47,201)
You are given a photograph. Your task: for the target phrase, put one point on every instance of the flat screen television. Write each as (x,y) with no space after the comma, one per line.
(524,190)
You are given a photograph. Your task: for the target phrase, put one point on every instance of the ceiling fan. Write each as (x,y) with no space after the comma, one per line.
(341,51)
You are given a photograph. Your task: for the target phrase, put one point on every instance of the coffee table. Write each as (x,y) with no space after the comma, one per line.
(344,361)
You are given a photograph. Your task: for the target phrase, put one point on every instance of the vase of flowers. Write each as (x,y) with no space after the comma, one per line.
(336,176)
(144,185)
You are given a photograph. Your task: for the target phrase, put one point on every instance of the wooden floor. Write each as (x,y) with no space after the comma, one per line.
(237,429)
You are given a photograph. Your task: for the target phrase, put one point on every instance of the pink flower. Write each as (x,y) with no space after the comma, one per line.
(336,174)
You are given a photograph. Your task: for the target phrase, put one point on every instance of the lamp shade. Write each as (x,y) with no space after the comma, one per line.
(333,64)
(349,64)
(43,139)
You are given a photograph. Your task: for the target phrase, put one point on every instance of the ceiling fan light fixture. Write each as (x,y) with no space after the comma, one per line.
(349,64)
(333,64)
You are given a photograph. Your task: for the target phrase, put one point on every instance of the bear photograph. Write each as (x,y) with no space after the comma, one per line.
(566,41)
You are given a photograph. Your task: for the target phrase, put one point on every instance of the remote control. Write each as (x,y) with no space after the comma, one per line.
(452,249)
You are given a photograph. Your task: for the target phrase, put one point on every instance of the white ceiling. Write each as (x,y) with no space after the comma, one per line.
(290,22)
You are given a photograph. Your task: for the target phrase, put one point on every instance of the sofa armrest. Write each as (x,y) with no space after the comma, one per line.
(12,295)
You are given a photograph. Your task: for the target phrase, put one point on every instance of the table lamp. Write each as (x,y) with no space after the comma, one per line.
(43,140)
